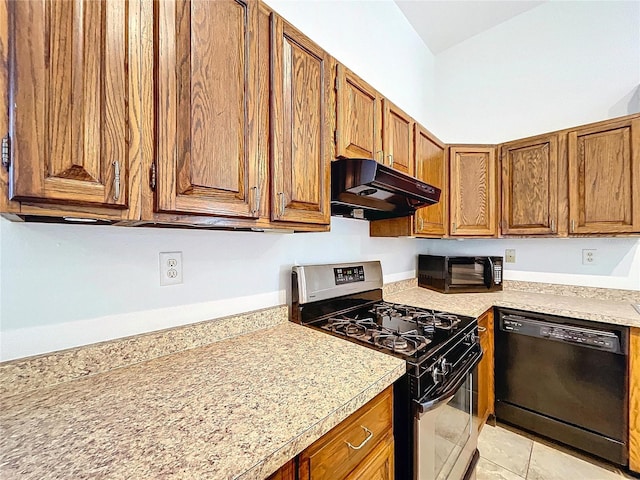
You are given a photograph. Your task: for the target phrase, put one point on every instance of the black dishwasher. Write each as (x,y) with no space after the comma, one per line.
(565,379)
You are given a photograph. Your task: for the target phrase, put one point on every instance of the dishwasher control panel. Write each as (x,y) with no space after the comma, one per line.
(586,337)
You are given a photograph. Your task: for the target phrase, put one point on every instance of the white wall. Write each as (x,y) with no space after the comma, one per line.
(556,260)
(559,65)
(66,285)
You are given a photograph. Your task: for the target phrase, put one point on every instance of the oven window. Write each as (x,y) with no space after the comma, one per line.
(443,434)
(452,430)
(467,274)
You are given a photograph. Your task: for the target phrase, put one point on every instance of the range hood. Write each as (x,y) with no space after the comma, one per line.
(364,188)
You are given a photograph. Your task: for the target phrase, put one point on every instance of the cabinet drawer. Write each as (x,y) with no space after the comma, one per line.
(331,457)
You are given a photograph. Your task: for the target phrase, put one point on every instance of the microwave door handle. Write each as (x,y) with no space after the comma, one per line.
(492,273)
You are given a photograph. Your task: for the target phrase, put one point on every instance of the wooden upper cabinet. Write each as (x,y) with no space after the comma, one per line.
(530,186)
(473,191)
(604,177)
(359,117)
(397,139)
(206,107)
(69,95)
(431,167)
(301,126)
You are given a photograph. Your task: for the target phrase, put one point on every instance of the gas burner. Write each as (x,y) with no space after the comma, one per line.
(407,342)
(351,327)
(446,321)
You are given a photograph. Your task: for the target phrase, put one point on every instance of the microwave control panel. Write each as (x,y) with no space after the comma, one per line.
(349,274)
(497,274)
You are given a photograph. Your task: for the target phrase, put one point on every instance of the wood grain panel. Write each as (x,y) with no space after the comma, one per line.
(634,400)
(397,141)
(207,107)
(604,166)
(359,117)
(473,191)
(486,384)
(330,458)
(71,96)
(431,167)
(530,186)
(300,126)
(379,465)
(286,472)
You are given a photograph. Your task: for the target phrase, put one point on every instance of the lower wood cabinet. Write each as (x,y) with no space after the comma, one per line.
(486,389)
(634,400)
(350,450)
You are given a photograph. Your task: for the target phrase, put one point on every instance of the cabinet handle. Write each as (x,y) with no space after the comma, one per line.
(573,225)
(553,226)
(421,223)
(380,153)
(281,194)
(454,226)
(369,437)
(256,200)
(116,180)
(482,329)
(390,160)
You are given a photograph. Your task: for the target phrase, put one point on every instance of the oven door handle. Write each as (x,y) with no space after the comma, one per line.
(452,387)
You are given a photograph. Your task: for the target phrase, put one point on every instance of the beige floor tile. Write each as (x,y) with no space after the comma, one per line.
(549,463)
(486,470)
(505,448)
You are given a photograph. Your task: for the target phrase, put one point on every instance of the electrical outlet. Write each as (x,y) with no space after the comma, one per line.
(170,268)
(589,256)
(510,255)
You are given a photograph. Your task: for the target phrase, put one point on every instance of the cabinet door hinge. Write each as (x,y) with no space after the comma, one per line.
(152,176)
(6,152)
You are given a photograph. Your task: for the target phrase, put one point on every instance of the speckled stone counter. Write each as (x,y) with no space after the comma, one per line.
(237,408)
(597,308)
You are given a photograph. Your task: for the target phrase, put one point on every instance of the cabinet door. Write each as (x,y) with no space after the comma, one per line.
(206,85)
(69,95)
(604,178)
(473,191)
(530,186)
(486,390)
(378,465)
(300,126)
(431,167)
(397,128)
(286,472)
(358,117)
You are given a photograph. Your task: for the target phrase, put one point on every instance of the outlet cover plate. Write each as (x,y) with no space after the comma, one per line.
(589,256)
(510,255)
(170,268)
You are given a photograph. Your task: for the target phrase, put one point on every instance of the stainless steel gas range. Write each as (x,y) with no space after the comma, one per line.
(435,436)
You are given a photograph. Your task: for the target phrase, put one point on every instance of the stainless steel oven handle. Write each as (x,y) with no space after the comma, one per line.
(453,386)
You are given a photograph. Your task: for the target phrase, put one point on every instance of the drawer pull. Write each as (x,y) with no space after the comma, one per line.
(369,437)
(482,329)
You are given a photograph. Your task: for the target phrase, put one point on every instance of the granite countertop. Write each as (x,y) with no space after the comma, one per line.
(237,408)
(619,312)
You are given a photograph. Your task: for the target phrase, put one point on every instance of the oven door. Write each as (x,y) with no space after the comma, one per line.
(445,439)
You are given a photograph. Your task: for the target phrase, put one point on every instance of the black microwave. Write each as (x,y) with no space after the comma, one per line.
(460,274)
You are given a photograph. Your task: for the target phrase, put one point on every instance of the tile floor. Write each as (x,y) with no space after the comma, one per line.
(508,454)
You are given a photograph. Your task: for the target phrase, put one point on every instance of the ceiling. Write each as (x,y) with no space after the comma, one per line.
(443,24)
